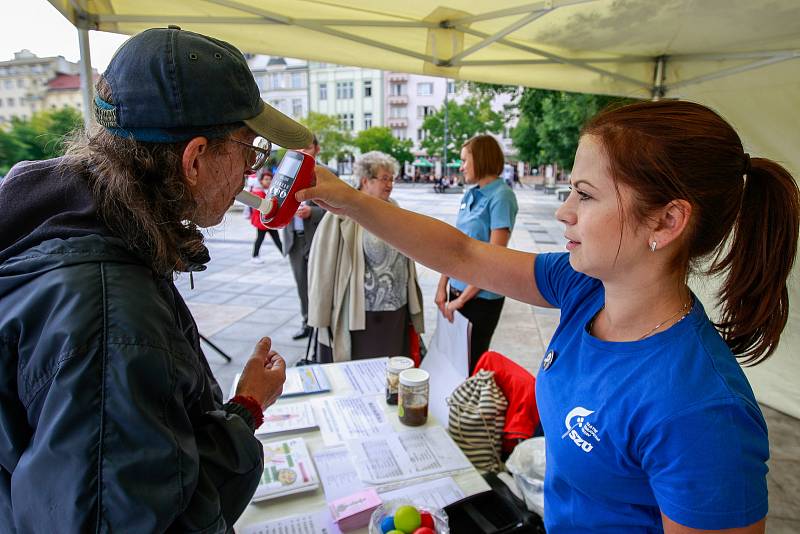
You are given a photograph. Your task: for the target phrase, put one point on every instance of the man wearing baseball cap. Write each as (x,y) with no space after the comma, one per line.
(110,417)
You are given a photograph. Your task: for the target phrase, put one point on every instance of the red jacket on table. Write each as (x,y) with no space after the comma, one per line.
(519,387)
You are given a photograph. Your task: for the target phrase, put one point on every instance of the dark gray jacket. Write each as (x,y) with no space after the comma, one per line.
(110,418)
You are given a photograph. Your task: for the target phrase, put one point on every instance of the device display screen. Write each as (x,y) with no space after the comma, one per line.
(284,179)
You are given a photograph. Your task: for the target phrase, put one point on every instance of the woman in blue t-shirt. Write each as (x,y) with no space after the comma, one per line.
(487,213)
(650,423)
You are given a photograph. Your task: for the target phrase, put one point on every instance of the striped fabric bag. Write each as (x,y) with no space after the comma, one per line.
(477,417)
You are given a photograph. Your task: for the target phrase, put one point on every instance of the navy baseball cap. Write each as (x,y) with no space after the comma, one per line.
(170,85)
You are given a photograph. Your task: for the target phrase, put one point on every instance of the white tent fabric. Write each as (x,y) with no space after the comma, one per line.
(741,57)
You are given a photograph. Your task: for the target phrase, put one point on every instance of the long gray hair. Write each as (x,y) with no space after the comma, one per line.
(140,192)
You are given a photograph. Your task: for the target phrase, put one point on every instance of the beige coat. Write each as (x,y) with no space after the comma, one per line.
(336,298)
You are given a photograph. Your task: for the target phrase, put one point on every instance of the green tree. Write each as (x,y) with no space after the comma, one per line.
(54,127)
(333,142)
(474,116)
(549,123)
(11,151)
(381,138)
(41,137)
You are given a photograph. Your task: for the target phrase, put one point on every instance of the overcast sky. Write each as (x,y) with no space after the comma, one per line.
(39,27)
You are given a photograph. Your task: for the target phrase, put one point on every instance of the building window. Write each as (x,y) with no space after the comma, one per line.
(8,84)
(424,111)
(397,89)
(398,112)
(10,102)
(420,134)
(399,133)
(424,89)
(344,90)
(21,83)
(275,81)
(297,80)
(323,91)
(346,121)
(297,107)
(451,87)
(367,88)
(260,83)
(367,120)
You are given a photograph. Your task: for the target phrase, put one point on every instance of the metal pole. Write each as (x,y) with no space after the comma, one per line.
(444,169)
(86,76)
(657,91)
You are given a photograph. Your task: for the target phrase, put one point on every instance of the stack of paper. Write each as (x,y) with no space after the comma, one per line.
(302,380)
(280,418)
(287,469)
(305,380)
(404,455)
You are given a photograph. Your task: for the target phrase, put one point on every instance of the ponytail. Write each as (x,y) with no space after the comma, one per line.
(754,297)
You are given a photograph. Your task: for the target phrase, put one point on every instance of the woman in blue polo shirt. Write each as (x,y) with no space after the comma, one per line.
(650,423)
(487,213)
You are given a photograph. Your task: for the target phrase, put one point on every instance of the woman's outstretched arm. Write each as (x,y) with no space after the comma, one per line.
(433,243)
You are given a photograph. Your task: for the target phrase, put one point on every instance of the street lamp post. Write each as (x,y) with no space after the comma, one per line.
(444,163)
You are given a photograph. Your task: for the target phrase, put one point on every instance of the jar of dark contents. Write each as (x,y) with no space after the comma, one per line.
(393,369)
(413,393)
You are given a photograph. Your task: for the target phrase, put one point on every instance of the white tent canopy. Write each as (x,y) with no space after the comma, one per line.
(741,57)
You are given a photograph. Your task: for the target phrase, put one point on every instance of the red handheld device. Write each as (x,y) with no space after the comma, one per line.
(295,172)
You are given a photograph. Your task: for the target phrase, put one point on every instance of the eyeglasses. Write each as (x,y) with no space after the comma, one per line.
(261,150)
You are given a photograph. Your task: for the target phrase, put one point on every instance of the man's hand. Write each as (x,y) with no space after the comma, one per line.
(304,211)
(263,375)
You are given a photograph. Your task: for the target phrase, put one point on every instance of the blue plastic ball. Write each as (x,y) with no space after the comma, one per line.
(387,524)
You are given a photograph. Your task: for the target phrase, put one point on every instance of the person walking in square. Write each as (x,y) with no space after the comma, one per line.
(264,180)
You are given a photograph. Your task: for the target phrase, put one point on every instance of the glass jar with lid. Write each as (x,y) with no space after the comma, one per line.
(393,369)
(413,394)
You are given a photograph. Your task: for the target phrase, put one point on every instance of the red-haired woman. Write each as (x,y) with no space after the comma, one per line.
(650,423)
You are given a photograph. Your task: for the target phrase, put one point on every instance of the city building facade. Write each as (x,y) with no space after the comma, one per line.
(64,90)
(283,83)
(353,95)
(24,84)
(410,98)
(361,98)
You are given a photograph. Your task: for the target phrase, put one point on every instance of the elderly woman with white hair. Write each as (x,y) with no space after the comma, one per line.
(363,294)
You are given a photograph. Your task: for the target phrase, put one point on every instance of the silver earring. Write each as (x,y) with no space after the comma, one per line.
(653,246)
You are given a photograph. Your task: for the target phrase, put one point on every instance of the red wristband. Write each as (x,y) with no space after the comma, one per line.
(252,406)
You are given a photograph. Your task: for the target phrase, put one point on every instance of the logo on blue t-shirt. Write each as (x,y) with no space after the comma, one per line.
(579,414)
